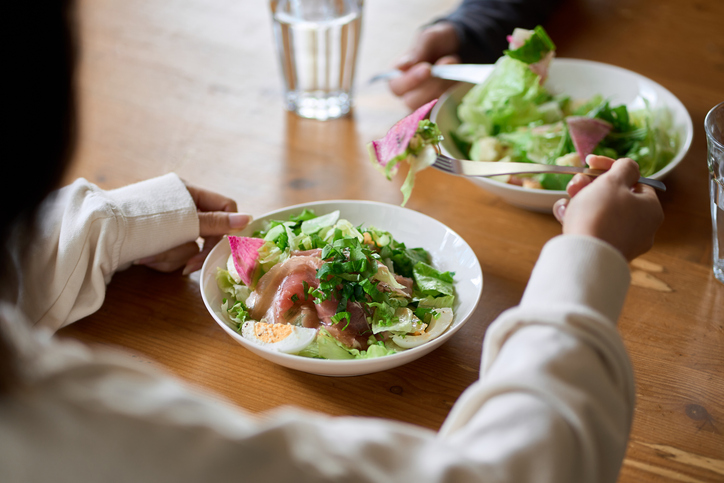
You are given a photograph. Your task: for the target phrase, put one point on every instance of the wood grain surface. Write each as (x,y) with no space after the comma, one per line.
(193,86)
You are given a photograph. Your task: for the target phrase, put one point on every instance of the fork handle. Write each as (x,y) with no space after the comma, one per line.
(503,167)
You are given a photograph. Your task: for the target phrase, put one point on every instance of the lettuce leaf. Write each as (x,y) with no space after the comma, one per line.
(658,142)
(328,347)
(431,281)
(534,48)
(509,98)
(311,226)
(437,302)
(417,163)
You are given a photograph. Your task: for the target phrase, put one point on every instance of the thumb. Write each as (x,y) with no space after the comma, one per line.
(214,223)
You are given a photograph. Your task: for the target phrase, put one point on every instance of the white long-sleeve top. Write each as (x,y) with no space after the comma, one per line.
(554,401)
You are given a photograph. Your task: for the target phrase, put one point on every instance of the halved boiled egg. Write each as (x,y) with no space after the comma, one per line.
(437,326)
(286,338)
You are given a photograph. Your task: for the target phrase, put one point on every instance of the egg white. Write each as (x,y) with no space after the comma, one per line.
(436,328)
(289,339)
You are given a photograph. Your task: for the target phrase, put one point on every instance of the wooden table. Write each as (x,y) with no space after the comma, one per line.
(193,86)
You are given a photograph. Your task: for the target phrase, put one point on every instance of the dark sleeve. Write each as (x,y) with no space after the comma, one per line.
(483,25)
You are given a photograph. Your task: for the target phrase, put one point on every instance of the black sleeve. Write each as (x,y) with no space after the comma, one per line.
(483,25)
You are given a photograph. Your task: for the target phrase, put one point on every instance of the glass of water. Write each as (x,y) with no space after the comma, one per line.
(317,43)
(714,127)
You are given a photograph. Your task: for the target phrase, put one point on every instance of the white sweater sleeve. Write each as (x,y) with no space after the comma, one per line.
(85,234)
(554,404)
(555,399)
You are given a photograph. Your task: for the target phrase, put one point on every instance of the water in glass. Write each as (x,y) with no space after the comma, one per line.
(317,43)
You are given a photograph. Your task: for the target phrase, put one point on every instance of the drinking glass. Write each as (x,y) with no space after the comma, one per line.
(317,43)
(714,126)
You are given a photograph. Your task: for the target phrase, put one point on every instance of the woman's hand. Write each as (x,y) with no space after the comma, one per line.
(217,217)
(613,207)
(438,45)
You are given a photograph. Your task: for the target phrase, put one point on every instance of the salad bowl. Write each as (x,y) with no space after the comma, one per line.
(448,250)
(579,79)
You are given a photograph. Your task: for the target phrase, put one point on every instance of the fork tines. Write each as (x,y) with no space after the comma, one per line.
(443,163)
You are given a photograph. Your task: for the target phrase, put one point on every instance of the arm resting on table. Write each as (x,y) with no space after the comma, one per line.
(85,234)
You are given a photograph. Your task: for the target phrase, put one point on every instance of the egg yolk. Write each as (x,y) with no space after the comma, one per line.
(271,333)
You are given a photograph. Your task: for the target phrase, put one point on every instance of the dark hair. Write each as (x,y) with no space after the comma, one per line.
(40,120)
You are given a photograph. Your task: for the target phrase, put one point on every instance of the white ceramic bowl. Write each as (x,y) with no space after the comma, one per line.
(580,79)
(448,250)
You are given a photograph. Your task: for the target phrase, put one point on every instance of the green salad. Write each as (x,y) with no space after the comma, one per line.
(512,116)
(321,287)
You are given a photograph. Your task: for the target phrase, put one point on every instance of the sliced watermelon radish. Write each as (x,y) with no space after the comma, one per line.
(541,67)
(395,142)
(586,133)
(245,253)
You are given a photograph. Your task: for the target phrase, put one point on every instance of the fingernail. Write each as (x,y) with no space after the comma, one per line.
(577,178)
(559,211)
(403,61)
(239,220)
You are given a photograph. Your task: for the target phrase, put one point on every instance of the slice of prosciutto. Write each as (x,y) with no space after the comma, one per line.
(586,133)
(280,298)
(353,333)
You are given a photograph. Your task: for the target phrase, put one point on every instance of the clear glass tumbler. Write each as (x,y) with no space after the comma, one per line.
(317,43)
(714,126)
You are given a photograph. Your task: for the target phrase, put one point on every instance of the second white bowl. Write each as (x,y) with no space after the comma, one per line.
(579,79)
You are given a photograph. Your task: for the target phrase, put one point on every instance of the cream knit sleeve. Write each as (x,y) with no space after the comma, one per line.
(555,399)
(85,234)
